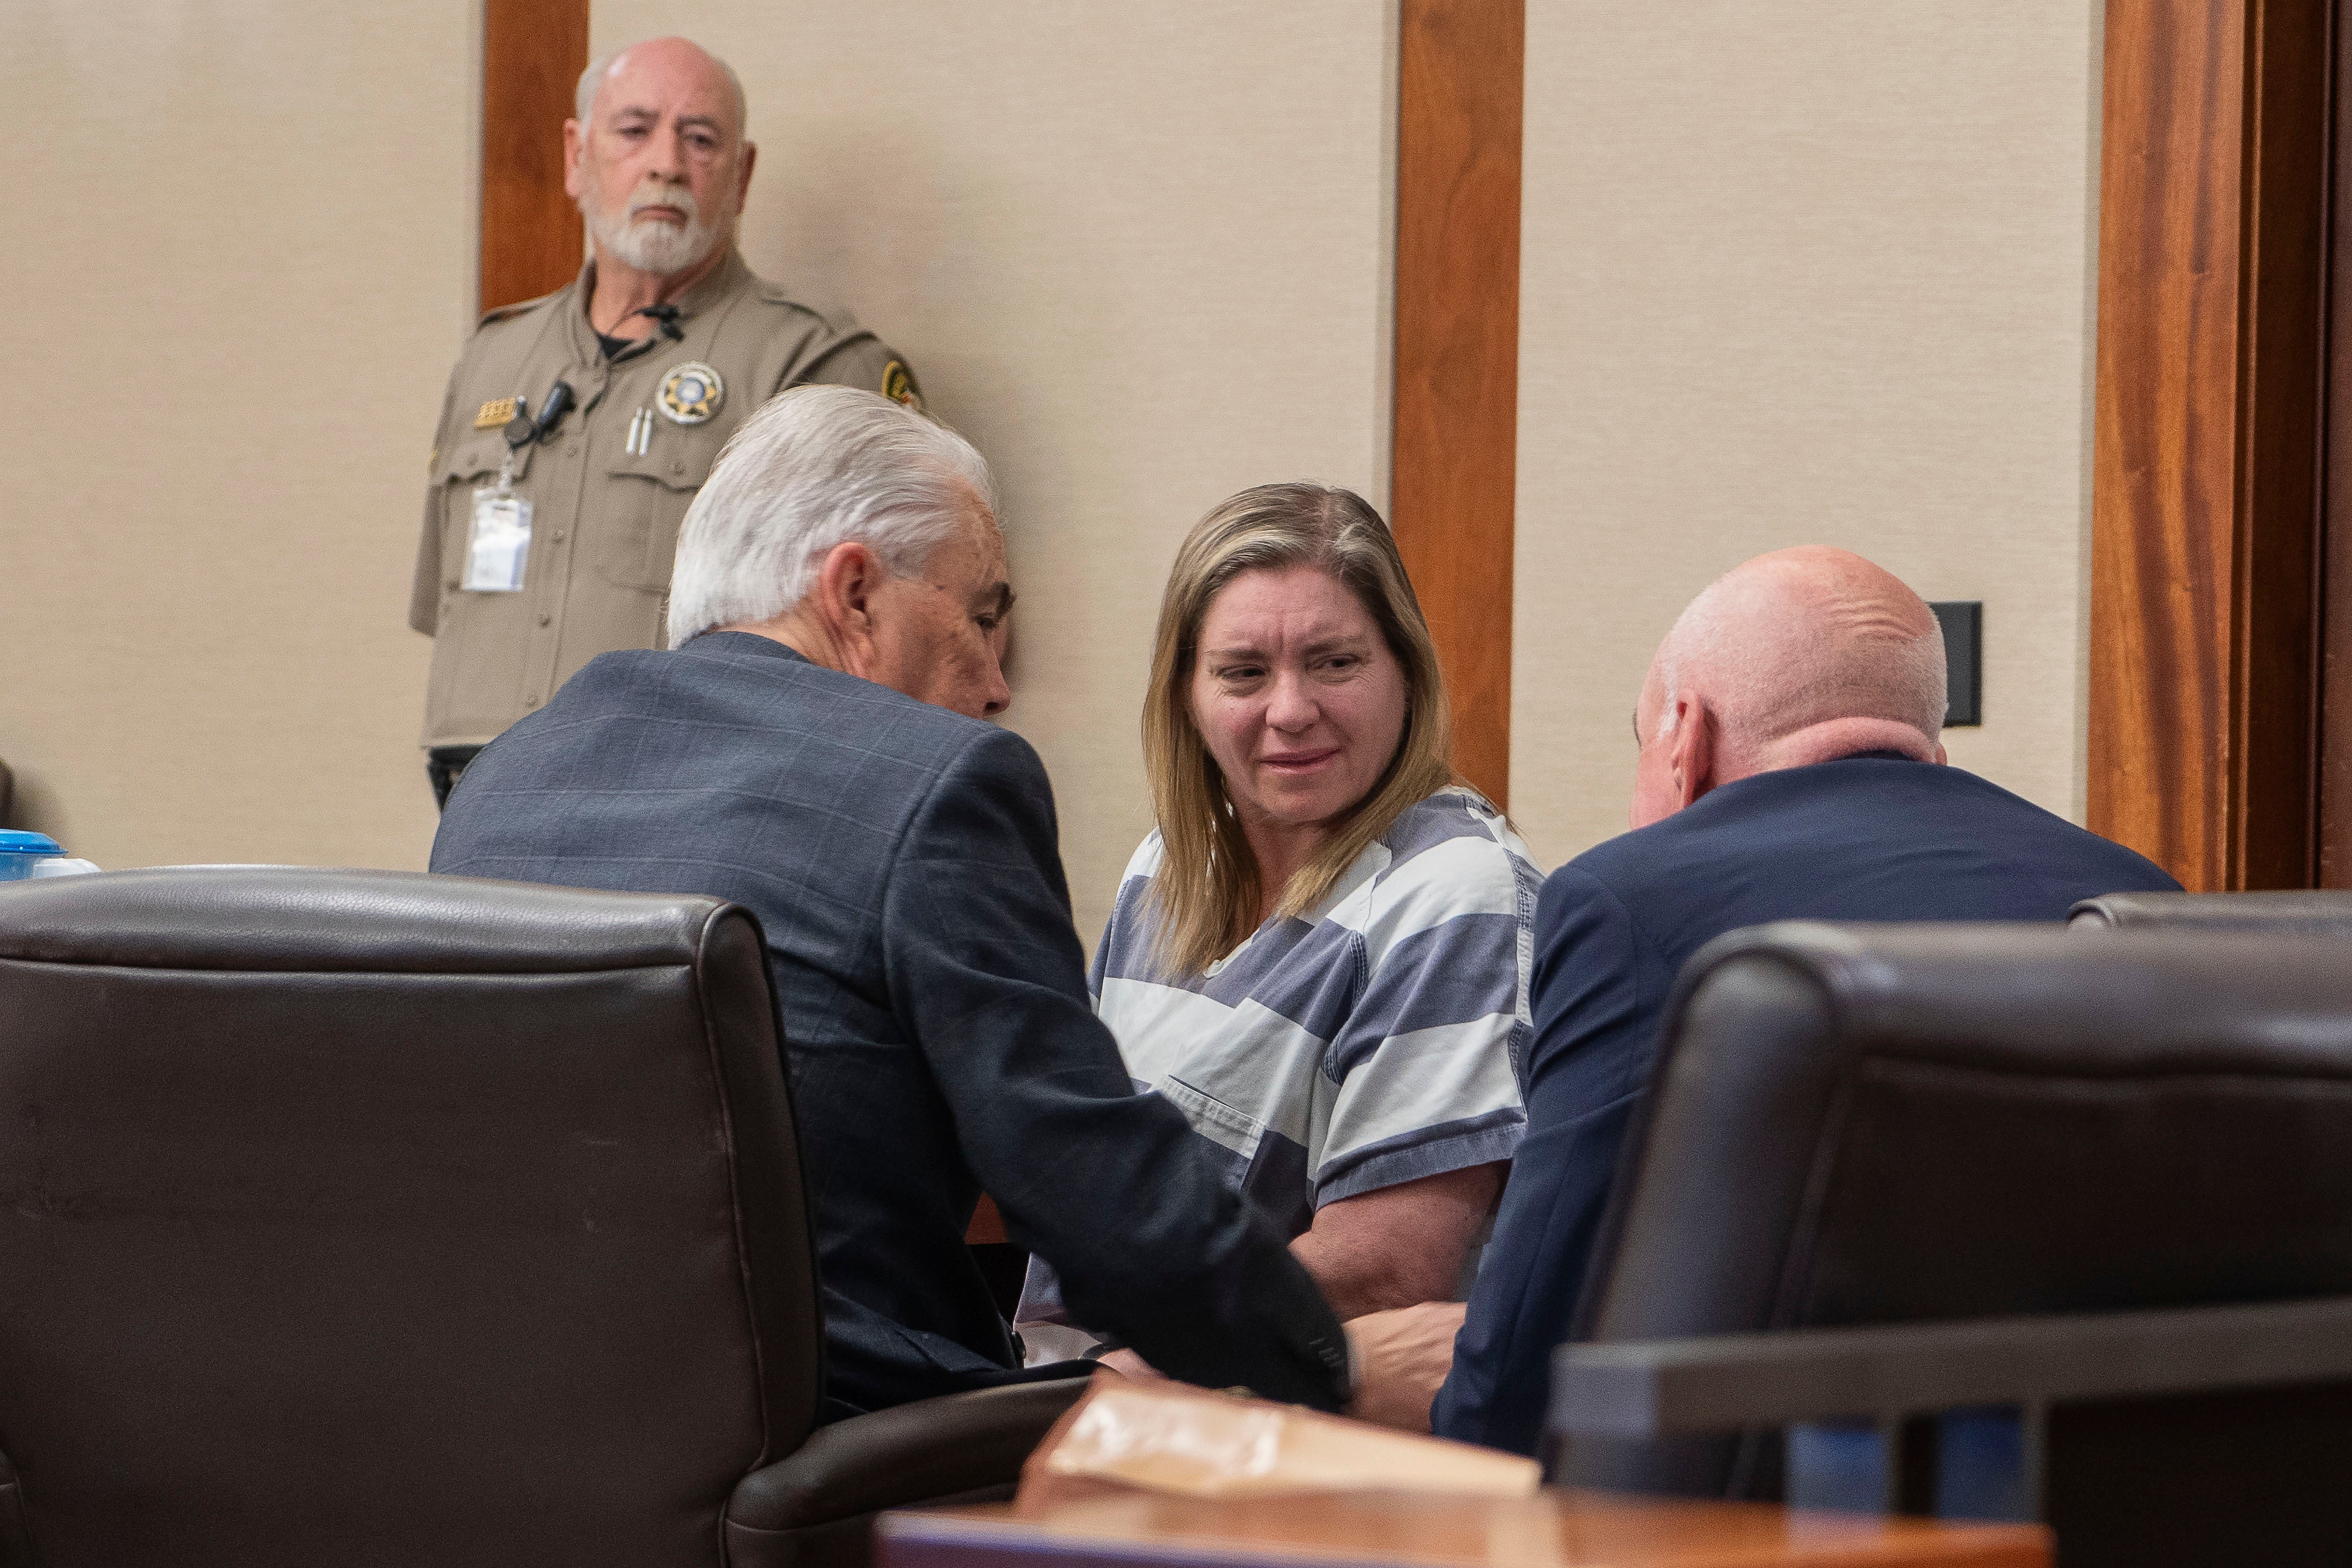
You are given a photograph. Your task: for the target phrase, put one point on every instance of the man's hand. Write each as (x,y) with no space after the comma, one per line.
(1402,1357)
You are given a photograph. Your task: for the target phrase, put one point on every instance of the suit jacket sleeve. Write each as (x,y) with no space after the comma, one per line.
(1586,1067)
(984,969)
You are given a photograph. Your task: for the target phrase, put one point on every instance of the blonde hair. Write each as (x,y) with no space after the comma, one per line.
(1207,893)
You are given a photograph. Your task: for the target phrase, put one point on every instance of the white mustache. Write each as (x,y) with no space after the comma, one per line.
(678,197)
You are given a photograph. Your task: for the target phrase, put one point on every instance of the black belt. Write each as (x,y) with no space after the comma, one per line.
(444,765)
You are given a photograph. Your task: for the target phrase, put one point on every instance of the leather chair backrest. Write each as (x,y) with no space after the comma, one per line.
(2315,913)
(360,1217)
(1862,1124)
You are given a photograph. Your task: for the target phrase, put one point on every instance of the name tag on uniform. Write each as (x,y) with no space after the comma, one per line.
(500,546)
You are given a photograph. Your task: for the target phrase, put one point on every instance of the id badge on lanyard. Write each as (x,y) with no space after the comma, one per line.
(499,549)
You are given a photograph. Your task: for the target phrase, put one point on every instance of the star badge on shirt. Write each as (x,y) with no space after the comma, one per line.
(692,393)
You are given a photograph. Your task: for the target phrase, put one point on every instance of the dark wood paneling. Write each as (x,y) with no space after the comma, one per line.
(2335,617)
(1462,75)
(2282,383)
(2206,454)
(532,54)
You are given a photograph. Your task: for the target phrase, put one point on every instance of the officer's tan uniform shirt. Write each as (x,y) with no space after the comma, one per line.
(604,520)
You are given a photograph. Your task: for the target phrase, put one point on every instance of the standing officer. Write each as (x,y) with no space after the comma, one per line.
(578,427)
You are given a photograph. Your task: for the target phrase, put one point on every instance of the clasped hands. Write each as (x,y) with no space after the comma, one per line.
(1401,1356)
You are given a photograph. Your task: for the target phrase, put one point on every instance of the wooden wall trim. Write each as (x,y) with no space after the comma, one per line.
(2282,380)
(2333,619)
(532,54)
(2206,460)
(1462,71)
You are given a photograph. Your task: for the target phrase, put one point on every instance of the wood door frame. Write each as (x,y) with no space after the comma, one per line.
(2332,612)
(1454,480)
(2208,447)
(532,54)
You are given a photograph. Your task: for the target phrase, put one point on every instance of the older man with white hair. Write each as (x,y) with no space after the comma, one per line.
(812,748)
(578,427)
(1788,767)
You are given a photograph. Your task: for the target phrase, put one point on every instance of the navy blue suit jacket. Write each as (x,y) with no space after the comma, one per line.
(903,863)
(1872,837)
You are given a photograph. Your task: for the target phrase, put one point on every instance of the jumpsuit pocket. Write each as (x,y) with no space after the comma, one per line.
(1261,1164)
(1233,1132)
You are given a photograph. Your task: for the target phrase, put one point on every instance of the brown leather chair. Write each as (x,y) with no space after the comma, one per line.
(360,1217)
(2311,913)
(1900,1124)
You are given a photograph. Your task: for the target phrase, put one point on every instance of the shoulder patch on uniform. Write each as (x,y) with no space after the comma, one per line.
(898,385)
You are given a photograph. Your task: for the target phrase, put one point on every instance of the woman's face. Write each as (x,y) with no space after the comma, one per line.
(1298,696)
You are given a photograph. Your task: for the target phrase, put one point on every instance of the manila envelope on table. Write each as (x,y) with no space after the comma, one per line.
(1163,1436)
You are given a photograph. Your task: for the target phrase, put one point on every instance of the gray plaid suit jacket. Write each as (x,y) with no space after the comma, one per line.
(903,863)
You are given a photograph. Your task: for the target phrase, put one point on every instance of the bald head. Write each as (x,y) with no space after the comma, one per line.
(1793,659)
(666,60)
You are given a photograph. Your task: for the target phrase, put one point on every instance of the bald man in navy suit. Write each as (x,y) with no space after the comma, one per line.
(1789,768)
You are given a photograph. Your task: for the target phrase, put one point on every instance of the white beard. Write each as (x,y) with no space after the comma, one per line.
(650,244)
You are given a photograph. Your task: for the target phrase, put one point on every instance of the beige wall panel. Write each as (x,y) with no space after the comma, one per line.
(1138,253)
(1801,273)
(234,305)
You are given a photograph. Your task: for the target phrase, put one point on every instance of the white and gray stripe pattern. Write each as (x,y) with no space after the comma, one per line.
(1372,1041)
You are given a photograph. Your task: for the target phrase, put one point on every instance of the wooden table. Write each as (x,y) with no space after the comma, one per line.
(1550,1530)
